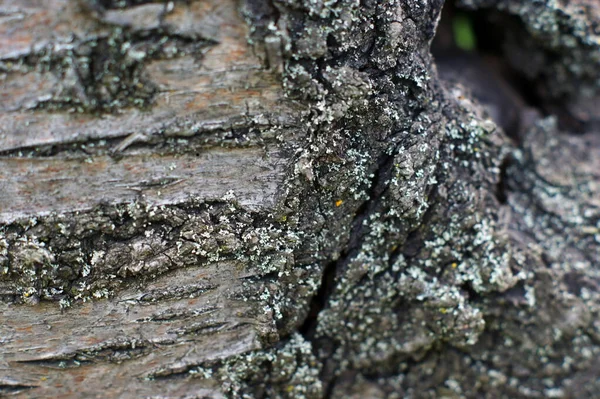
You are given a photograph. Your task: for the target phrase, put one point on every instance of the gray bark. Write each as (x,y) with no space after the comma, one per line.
(288,199)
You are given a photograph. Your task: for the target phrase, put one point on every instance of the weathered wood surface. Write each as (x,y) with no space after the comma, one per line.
(222,85)
(141,334)
(203,136)
(221,198)
(37,187)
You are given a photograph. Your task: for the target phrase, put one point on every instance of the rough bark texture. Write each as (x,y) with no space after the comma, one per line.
(295,199)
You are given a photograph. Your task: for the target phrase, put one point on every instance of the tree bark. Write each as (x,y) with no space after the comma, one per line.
(288,199)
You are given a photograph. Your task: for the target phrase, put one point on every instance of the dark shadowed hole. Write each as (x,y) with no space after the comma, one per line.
(492,54)
(469,50)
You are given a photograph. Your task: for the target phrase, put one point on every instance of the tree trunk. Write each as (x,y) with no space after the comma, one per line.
(288,199)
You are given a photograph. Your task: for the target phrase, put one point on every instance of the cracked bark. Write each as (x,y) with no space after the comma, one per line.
(297,199)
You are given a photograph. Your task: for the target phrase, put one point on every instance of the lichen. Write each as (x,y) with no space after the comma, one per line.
(389,248)
(289,370)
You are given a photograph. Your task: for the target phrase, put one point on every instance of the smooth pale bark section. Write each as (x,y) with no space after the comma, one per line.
(36,187)
(28,26)
(225,86)
(167,327)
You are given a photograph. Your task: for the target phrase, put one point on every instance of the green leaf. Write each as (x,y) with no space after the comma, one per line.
(464,35)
